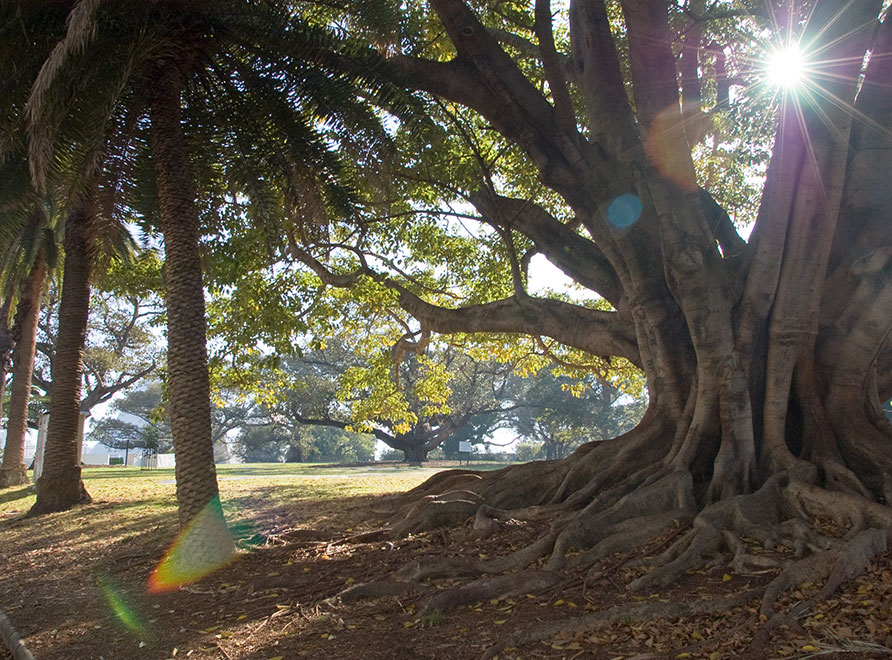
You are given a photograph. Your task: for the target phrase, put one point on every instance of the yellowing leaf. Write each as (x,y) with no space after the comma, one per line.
(726,577)
(810,647)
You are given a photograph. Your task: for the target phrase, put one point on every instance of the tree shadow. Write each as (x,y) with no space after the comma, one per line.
(17,494)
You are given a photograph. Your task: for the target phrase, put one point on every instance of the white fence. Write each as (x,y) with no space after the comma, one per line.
(158,461)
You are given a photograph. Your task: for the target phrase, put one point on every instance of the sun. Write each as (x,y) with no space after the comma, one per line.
(785,67)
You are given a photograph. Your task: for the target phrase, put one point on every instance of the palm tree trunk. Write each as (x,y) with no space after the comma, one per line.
(189,387)
(205,543)
(13,471)
(7,343)
(60,486)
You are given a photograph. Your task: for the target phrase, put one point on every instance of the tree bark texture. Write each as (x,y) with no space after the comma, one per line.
(60,486)
(13,471)
(7,343)
(190,412)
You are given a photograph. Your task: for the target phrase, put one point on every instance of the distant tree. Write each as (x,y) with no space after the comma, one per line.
(413,404)
(559,413)
(122,345)
(262,444)
(299,443)
(136,421)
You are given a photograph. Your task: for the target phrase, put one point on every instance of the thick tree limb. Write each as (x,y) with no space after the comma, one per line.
(484,77)
(579,258)
(864,222)
(563,105)
(595,331)
(722,228)
(601,333)
(601,80)
(689,61)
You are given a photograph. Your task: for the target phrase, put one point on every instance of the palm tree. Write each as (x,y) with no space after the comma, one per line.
(172,79)
(24,336)
(71,178)
(60,484)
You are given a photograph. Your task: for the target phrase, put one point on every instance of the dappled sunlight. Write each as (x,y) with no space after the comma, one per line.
(106,551)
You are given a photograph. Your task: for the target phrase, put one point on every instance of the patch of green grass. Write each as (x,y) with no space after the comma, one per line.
(137,491)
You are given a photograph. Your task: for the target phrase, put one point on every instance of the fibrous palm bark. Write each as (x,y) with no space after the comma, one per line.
(13,471)
(60,486)
(190,413)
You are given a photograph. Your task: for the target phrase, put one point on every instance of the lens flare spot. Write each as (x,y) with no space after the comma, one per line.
(201,548)
(668,144)
(122,610)
(624,211)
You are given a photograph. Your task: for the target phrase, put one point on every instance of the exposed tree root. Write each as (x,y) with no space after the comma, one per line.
(503,586)
(381,589)
(437,511)
(805,524)
(833,567)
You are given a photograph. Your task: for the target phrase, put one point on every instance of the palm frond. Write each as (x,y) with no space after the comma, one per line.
(80,32)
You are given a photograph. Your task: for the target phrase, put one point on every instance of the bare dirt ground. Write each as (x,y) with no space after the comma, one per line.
(78,596)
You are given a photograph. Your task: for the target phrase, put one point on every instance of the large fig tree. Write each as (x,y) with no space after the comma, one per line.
(767,353)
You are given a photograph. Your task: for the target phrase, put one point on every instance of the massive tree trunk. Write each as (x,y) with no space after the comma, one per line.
(761,355)
(60,486)
(13,471)
(413,448)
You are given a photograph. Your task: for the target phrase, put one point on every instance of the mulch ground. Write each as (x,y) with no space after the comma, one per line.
(73,600)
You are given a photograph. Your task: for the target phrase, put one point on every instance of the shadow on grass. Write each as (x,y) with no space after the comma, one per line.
(108,550)
(126,472)
(17,494)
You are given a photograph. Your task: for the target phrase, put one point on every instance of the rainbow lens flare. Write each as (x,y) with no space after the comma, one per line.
(201,548)
(121,608)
